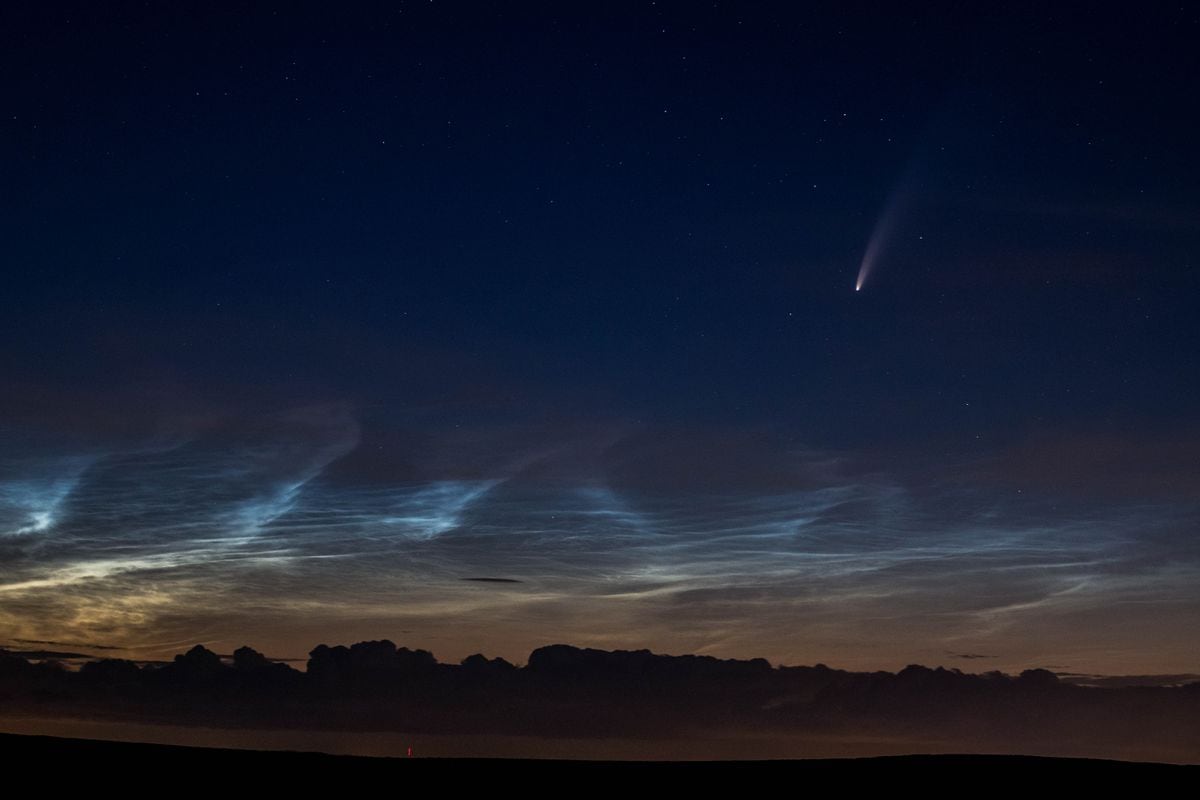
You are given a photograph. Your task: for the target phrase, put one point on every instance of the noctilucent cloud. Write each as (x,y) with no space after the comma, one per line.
(482,331)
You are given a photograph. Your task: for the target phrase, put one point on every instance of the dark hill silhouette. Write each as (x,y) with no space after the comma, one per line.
(565,691)
(255,770)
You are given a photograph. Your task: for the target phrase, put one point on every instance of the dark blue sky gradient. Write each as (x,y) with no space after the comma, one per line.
(609,250)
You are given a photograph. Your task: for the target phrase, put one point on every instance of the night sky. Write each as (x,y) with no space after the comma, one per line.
(482,327)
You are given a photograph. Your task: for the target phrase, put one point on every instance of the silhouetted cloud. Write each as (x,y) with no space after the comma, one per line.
(69,644)
(1121,681)
(493,580)
(50,654)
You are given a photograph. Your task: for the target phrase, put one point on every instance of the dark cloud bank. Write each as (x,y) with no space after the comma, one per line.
(572,692)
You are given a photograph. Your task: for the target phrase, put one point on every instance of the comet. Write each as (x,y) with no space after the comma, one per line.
(880,236)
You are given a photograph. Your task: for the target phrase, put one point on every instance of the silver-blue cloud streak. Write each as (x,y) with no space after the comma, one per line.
(258,538)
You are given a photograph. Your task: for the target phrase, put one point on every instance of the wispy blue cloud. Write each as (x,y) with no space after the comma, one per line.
(240,534)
